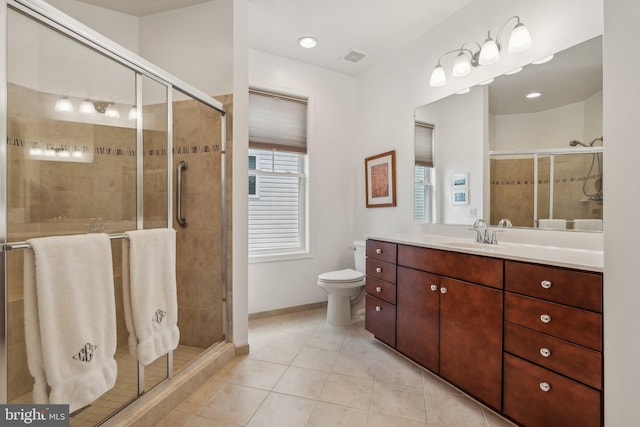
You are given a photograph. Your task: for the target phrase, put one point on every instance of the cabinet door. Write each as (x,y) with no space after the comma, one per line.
(471,339)
(418,311)
(380,319)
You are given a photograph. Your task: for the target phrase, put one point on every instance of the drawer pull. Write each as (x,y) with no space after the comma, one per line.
(443,290)
(545,352)
(378,289)
(546,284)
(434,287)
(378,251)
(545,318)
(378,270)
(545,386)
(378,308)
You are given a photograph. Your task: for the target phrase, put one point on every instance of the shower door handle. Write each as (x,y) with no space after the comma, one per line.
(182,166)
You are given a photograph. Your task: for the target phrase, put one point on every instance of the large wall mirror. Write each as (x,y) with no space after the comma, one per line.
(526,147)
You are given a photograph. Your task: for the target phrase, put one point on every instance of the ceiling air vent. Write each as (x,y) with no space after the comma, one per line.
(354,56)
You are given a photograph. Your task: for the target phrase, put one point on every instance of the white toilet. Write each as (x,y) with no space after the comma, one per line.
(344,287)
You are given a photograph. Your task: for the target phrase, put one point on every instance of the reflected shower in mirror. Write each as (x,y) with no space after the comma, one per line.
(530,142)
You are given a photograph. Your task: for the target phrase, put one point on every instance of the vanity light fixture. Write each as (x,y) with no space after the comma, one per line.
(516,71)
(133,113)
(533,95)
(485,54)
(543,60)
(112,112)
(307,42)
(87,107)
(63,105)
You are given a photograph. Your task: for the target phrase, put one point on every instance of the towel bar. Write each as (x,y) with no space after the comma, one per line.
(25,245)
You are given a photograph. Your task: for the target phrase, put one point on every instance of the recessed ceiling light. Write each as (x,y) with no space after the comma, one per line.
(463,91)
(517,70)
(543,60)
(307,42)
(486,82)
(533,95)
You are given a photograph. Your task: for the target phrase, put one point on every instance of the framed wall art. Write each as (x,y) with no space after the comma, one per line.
(380,180)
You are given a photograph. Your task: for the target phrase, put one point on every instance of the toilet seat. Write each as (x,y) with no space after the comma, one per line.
(341,276)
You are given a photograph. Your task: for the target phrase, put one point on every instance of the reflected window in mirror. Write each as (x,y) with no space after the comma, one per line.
(423,197)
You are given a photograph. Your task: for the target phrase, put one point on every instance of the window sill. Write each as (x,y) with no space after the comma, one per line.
(292,256)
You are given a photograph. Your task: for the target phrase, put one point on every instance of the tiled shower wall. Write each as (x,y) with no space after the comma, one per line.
(512,189)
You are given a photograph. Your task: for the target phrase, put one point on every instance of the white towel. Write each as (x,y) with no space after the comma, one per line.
(150,295)
(587,224)
(553,224)
(70,318)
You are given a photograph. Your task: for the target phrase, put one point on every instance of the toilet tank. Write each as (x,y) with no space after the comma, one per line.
(359,254)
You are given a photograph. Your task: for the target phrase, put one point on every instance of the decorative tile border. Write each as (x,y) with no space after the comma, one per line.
(546,181)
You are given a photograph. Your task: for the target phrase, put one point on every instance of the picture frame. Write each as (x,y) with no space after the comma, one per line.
(380,180)
(460,180)
(459,196)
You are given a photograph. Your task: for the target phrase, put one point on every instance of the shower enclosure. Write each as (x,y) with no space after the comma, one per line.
(99,140)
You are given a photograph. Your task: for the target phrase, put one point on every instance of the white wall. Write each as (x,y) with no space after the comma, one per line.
(621,236)
(389,91)
(194,44)
(332,134)
(458,120)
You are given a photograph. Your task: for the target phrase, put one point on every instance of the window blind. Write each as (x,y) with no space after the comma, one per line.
(423,144)
(277,122)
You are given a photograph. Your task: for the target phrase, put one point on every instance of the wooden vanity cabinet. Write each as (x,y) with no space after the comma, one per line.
(452,327)
(380,298)
(553,346)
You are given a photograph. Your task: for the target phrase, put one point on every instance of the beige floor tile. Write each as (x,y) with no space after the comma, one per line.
(361,347)
(176,419)
(315,358)
(302,382)
(330,415)
(234,404)
(382,420)
(393,368)
(346,364)
(495,420)
(347,391)
(198,421)
(282,351)
(454,410)
(327,339)
(252,373)
(398,400)
(434,386)
(283,411)
(201,396)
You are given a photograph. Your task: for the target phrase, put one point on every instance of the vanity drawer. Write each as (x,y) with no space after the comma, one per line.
(471,268)
(577,362)
(576,288)
(380,319)
(566,403)
(571,324)
(383,251)
(383,290)
(381,270)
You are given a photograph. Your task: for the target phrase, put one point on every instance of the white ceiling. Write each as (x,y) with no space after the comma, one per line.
(373,27)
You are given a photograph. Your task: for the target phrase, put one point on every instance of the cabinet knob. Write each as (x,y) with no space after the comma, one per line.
(545,386)
(378,289)
(545,352)
(378,270)
(443,290)
(378,251)
(434,287)
(378,308)
(546,284)
(545,318)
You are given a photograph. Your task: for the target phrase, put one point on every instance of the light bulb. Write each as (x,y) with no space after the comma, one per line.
(87,107)
(63,105)
(112,112)
(461,66)
(438,77)
(520,39)
(489,52)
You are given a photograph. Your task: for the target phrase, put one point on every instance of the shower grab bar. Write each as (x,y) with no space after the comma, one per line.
(182,166)
(25,245)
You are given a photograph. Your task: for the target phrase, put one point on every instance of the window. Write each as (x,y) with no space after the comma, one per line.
(423,195)
(277,174)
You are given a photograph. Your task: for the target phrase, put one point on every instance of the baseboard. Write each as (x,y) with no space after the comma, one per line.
(287,310)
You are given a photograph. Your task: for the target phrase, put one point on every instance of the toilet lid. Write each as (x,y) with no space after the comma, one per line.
(347,275)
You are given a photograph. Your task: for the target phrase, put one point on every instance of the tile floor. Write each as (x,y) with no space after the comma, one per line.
(302,372)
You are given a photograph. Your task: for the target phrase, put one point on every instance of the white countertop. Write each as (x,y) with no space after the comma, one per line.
(590,260)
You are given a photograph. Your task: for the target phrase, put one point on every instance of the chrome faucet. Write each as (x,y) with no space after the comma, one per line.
(480,226)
